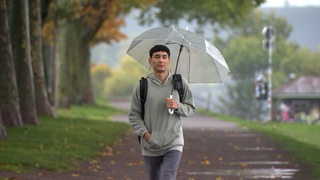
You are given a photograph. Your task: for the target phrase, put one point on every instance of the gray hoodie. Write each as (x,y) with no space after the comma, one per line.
(166,130)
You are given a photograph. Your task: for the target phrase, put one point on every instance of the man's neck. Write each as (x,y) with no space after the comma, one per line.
(161,76)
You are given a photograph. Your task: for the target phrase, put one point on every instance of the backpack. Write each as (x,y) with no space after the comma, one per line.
(177,84)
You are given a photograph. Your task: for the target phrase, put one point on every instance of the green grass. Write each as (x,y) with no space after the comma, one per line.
(300,139)
(77,134)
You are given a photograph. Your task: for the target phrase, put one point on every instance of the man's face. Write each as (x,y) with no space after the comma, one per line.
(159,61)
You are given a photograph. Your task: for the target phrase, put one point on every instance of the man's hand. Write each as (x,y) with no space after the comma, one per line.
(147,136)
(171,104)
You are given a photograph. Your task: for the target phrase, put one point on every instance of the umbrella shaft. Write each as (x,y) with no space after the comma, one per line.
(175,71)
(181,46)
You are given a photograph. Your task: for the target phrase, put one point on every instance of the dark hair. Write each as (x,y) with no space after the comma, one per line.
(158,48)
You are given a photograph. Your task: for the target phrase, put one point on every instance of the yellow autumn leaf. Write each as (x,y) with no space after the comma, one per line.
(107,152)
(75,175)
(136,163)
(243,164)
(191,162)
(205,162)
(93,162)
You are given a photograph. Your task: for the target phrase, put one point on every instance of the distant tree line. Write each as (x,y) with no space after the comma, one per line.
(247,59)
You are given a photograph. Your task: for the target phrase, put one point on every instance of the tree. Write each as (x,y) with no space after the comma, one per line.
(246,59)
(9,99)
(42,101)
(219,13)
(20,36)
(80,24)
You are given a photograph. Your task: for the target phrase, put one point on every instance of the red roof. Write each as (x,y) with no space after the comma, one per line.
(303,87)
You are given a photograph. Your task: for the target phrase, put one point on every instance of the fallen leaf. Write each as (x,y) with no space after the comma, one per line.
(191,162)
(243,164)
(42,173)
(107,152)
(110,178)
(112,162)
(75,175)
(93,162)
(136,163)
(205,162)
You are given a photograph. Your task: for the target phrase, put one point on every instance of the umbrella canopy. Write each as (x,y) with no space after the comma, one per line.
(198,61)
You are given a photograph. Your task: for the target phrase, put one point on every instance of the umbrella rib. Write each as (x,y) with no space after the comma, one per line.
(189,78)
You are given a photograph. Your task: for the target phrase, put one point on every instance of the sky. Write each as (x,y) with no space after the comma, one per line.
(280,3)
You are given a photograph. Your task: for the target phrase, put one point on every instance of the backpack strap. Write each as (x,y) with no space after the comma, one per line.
(178,85)
(143,94)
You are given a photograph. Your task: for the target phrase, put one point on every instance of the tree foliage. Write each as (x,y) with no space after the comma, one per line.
(247,59)
(222,13)
(99,74)
(124,78)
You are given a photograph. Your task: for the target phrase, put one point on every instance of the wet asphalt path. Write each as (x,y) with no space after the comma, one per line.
(220,150)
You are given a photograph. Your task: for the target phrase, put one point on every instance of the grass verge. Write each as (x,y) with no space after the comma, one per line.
(300,139)
(77,134)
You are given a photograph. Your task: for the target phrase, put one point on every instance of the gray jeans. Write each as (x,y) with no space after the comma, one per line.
(163,167)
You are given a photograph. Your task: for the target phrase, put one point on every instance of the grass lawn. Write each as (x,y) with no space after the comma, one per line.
(77,134)
(300,139)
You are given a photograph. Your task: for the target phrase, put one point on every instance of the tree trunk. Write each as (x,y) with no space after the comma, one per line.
(22,58)
(9,99)
(75,86)
(62,79)
(73,56)
(3,132)
(78,57)
(86,95)
(41,95)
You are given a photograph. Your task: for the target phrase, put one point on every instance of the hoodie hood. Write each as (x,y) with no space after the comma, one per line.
(156,81)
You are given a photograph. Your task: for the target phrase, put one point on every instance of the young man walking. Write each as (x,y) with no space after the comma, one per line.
(161,135)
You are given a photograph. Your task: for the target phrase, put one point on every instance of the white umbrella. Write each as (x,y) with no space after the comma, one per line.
(196,59)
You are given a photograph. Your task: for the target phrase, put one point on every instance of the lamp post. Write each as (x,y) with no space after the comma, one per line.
(268,45)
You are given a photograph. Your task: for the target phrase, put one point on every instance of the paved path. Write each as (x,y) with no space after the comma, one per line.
(214,150)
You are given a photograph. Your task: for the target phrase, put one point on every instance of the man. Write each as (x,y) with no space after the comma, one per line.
(161,136)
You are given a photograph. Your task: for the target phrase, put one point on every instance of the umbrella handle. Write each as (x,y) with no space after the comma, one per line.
(171,111)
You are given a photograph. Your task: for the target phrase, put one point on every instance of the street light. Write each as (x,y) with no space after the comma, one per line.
(268,45)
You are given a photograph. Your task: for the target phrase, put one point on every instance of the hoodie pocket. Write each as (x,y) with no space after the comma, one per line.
(150,145)
(163,140)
